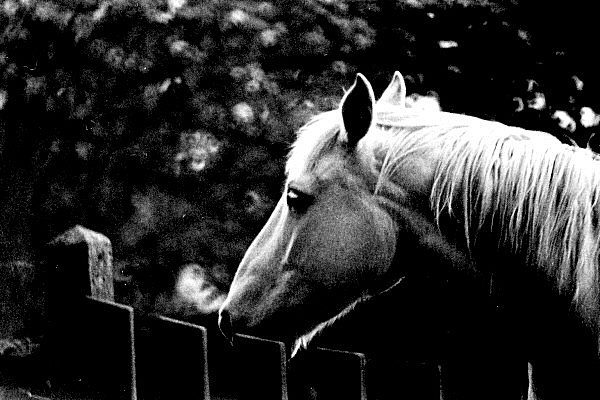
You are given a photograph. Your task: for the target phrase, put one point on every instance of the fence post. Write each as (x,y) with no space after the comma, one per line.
(67,255)
(82,318)
(328,374)
(171,359)
(258,369)
(78,263)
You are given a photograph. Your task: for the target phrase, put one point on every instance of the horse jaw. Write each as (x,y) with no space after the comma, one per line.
(303,341)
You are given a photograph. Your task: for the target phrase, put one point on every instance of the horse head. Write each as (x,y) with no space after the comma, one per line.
(331,239)
(376,193)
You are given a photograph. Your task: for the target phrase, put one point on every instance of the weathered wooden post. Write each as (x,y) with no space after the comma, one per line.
(89,342)
(79,264)
(172,359)
(259,368)
(41,305)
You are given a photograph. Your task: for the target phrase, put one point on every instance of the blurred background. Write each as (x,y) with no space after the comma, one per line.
(164,124)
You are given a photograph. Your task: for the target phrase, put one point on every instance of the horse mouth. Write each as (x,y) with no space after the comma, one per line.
(234,329)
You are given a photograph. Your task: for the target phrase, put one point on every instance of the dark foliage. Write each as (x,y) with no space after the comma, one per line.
(165,124)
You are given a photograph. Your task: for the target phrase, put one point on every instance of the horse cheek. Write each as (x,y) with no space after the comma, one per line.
(257,275)
(334,251)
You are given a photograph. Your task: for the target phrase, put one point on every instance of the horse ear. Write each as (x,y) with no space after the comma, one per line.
(357,110)
(395,94)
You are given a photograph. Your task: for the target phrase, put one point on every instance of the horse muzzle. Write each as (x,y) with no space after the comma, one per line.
(225,324)
(231,323)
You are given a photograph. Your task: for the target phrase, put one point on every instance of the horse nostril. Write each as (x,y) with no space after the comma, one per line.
(225,324)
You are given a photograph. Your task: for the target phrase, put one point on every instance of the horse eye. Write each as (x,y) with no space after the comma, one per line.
(298,201)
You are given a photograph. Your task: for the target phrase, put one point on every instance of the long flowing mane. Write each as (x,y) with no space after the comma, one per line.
(481,238)
(314,139)
(539,196)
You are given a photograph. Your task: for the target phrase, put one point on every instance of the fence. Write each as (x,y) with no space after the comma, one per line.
(83,345)
(107,352)
(94,348)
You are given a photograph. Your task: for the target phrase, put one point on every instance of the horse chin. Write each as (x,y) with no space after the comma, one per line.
(303,341)
(284,331)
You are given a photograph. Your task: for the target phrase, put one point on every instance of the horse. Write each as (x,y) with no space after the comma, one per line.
(377,195)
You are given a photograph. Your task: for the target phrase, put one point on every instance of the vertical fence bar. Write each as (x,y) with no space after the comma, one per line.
(259,369)
(404,379)
(327,374)
(109,350)
(171,359)
(342,374)
(89,345)
(93,355)
(79,262)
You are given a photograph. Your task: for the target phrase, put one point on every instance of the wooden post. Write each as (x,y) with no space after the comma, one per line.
(259,369)
(41,305)
(328,374)
(171,359)
(80,262)
(80,313)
